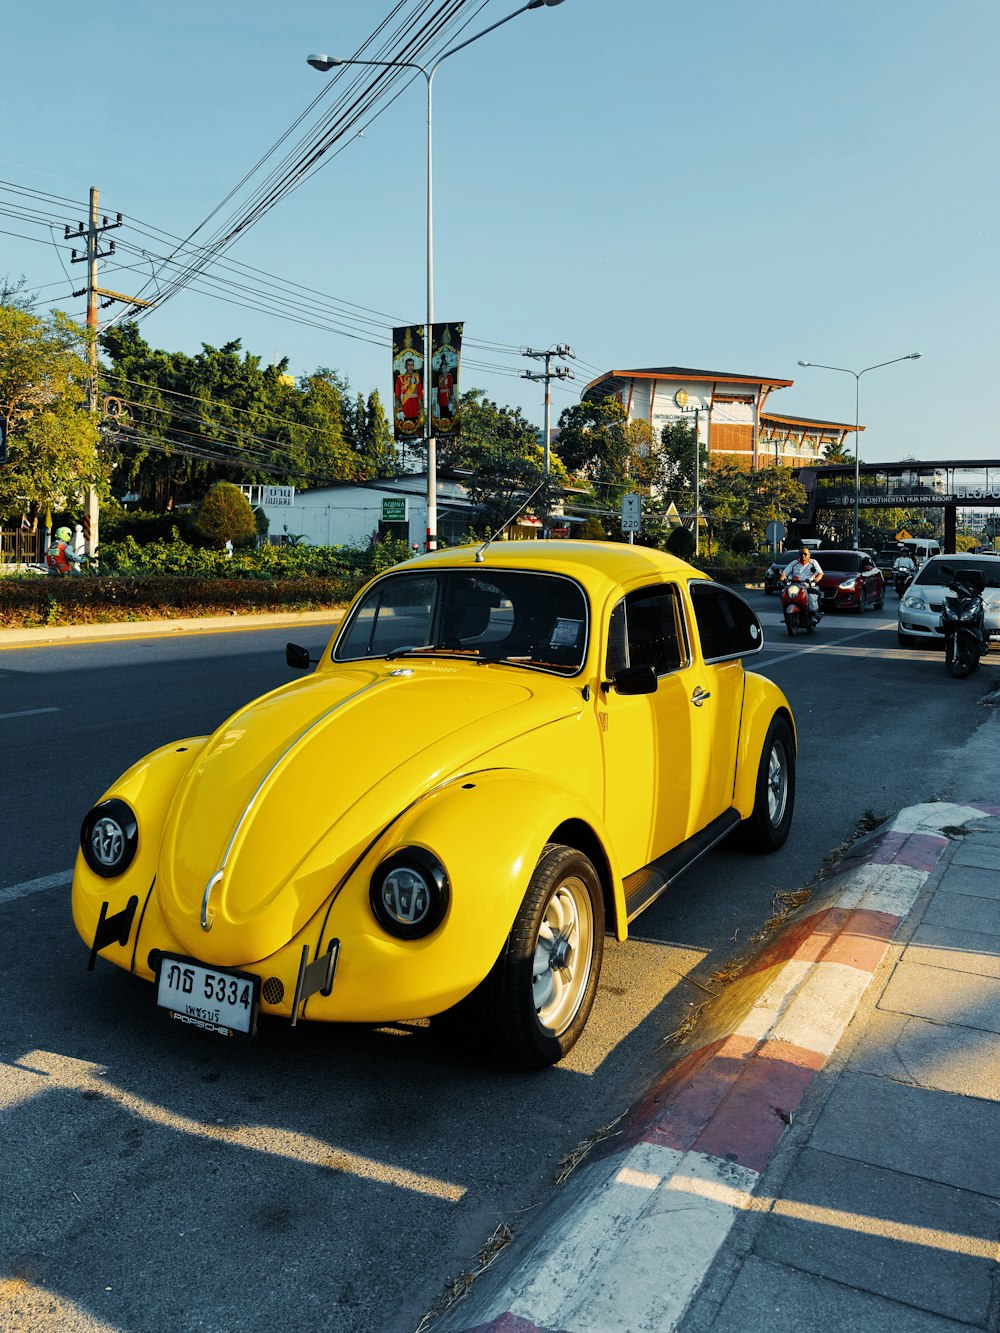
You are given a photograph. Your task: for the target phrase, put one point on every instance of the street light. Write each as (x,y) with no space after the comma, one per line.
(816,365)
(325,63)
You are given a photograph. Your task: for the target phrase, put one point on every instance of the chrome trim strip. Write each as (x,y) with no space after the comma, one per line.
(206,918)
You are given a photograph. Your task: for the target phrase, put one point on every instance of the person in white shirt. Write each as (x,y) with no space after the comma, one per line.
(806,570)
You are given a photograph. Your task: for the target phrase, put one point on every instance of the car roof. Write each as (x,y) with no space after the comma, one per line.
(591,563)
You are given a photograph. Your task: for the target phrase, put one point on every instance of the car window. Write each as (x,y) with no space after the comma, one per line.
(727,625)
(940,571)
(647,629)
(842,562)
(533,619)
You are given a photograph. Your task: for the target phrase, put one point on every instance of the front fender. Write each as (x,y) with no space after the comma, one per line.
(488,829)
(762,702)
(147,788)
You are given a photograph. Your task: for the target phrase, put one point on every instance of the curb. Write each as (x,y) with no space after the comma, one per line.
(138,629)
(635,1238)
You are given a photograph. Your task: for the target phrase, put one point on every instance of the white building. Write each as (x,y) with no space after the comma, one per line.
(351,513)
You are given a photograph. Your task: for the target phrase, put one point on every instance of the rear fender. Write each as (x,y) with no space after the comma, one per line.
(762,702)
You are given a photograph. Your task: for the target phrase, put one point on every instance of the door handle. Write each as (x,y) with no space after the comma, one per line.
(699,696)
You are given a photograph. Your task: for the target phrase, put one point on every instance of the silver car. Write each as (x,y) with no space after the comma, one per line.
(921,605)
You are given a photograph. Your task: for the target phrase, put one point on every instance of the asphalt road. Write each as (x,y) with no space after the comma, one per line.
(335,1178)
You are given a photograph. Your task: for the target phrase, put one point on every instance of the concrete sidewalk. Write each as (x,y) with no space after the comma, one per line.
(826,1151)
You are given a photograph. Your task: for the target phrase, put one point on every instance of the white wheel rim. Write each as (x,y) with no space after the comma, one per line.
(777,785)
(563,955)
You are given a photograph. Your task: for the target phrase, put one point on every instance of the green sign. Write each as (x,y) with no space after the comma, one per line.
(394,511)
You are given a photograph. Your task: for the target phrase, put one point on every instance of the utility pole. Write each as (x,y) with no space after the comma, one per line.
(91,234)
(697,411)
(563,351)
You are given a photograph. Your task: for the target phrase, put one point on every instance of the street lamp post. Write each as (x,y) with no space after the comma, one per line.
(816,365)
(325,63)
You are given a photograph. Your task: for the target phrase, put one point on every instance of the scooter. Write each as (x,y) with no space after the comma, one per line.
(964,623)
(795,607)
(904,577)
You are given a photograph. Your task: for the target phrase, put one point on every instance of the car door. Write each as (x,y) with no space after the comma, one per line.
(651,748)
(727,631)
(870,580)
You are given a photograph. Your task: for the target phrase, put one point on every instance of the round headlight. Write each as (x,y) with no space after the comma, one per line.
(409,893)
(109,838)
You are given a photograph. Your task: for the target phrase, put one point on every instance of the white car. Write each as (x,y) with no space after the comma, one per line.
(921,605)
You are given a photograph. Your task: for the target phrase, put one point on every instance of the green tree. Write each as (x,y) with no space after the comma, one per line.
(373,442)
(52,441)
(594,445)
(225,515)
(188,421)
(499,448)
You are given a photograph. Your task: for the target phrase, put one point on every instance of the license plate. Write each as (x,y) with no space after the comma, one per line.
(212,998)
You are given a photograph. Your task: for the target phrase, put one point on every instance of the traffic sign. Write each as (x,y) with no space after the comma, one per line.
(775,532)
(631,512)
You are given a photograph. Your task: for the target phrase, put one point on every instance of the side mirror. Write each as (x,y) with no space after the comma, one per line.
(635,680)
(297,658)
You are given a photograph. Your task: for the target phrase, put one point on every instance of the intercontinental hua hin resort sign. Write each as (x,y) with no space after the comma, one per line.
(962,495)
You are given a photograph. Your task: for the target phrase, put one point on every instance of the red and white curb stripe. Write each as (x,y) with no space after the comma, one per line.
(642,1227)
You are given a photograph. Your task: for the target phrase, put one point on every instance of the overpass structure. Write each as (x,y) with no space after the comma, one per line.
(953,484)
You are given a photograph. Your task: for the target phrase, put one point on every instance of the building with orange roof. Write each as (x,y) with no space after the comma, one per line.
(727,409)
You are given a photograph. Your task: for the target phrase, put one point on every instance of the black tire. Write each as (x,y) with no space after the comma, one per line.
(906,640)
(789,625)
(960,658)
(541,989)
(881,601)
(774,799)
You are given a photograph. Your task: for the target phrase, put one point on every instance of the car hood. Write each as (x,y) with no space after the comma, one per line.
(289,792)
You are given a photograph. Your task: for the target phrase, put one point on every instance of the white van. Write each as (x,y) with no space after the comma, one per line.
(921,548)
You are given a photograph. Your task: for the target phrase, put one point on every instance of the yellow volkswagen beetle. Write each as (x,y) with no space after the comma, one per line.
(503,753)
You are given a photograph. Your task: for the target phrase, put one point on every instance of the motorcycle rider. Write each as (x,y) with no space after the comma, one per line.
(806,569)
(60,557)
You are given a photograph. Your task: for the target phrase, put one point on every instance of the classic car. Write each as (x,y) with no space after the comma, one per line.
(851,581)
(503,753)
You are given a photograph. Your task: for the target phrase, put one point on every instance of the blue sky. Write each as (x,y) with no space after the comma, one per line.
(730,185)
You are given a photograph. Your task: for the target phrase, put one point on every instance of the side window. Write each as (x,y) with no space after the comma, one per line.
(647,629)
(727,625)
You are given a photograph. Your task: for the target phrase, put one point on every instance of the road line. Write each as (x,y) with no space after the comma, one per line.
(29,886)
(820,647)
(29,712)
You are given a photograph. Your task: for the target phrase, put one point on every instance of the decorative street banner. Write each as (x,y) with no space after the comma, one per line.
(446,351)
(408,381)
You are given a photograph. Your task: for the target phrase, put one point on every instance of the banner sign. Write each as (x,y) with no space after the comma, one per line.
(446,352)
(408,381)
(394,509)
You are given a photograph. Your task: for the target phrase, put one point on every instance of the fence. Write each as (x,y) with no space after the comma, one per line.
(18,547)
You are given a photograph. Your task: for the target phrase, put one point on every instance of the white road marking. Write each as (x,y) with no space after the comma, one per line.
(29,886)
(29,712)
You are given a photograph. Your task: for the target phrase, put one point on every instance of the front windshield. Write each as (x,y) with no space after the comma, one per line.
(525,619)
(941,571)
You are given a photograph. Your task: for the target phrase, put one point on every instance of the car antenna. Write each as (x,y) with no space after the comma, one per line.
(479,552)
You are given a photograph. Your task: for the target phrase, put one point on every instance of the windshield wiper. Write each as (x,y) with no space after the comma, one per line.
(427,648)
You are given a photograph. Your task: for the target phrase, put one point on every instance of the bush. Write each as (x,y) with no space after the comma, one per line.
(225,515)
(681,543)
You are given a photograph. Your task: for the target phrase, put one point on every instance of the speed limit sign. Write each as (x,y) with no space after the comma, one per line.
(631,512)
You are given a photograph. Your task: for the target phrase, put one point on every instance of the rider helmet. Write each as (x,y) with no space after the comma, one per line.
(63,535)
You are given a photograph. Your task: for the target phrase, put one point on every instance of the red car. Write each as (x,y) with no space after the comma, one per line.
(851,580)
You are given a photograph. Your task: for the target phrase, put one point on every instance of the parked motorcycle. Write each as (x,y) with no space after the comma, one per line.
(799,614)
(964,623)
